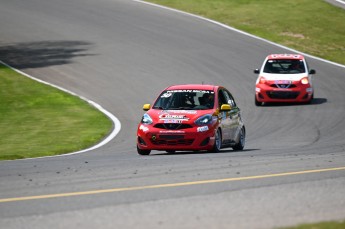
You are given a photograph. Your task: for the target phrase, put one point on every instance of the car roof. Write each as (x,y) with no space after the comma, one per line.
(285,56)
(193,87)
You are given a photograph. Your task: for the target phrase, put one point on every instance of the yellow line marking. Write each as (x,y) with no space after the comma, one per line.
(166,185)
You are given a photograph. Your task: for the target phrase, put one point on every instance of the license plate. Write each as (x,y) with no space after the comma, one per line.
(282,82)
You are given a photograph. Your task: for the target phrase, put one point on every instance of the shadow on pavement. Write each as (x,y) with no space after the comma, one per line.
(315,101)
(43,53)
(201,152)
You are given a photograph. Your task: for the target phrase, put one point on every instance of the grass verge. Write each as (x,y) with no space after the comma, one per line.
(324,225)
(310,26)
(38,120)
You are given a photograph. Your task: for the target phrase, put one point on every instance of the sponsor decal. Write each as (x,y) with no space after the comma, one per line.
(143,128)
(286,55)
(172,132)
(283,84)
(282,81)
(202,129)
(178,117)
(173,121)
(282,89)
(182,111)
(190,91)
(166,95)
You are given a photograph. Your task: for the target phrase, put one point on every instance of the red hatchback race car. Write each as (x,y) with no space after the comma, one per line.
(191,118)
(284,78)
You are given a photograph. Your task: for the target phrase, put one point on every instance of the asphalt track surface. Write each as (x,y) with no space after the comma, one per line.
(339,3)
(121,54)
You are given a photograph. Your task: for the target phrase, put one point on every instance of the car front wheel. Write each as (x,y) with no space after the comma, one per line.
(217,142)
(143,151)
(257,103)
(311,99)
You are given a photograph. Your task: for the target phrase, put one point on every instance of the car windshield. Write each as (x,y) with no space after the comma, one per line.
(185,100)
(287,66)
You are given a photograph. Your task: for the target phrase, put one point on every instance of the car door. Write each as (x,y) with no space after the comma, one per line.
(224,116)
(234,116)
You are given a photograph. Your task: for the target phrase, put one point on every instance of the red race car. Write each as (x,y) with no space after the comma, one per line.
(191,118)
(284,78)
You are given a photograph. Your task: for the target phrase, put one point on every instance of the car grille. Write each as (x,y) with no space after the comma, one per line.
(282,94)
(170,141)
(283,85)
(172,126)
(171,136)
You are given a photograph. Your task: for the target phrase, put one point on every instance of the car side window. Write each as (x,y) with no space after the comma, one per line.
(230,100)
(221,98)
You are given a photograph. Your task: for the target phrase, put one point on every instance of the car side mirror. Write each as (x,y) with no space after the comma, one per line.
(225,107)
(312,71)
(256,71)
(146,107)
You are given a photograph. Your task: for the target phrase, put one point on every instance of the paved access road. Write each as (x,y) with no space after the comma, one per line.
(121,54)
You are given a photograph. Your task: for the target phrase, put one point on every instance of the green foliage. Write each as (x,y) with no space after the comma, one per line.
(310,26)
(323,225)
(38,120)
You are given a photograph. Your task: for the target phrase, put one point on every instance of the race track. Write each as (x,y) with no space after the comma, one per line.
(121,54)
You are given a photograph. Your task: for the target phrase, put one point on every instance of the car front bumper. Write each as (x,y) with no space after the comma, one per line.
(266,93)
(195,138)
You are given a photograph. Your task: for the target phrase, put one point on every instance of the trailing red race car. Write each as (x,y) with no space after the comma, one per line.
(284,78)
(191,118)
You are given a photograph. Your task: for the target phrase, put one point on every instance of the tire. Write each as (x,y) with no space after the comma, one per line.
(257,103)
(311,99)
(217,142)
(241,141)
(170,151)
(143,151)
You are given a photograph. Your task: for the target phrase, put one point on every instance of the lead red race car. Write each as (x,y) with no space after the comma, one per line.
(191,117)
(284,78)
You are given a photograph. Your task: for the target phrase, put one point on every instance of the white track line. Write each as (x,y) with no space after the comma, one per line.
(340,1)
(242,32)
(116,122)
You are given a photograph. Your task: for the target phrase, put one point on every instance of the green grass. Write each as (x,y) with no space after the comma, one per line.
(38,120)
(324,225)
(310,26)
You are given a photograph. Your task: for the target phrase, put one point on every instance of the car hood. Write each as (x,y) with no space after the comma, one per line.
(177,116)
(292,77)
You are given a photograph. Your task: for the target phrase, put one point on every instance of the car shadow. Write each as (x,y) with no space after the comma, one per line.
(42,53)
(315,101)
(201,152)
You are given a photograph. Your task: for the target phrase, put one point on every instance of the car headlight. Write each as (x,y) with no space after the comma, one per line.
(262,80)
(305,80)
(204,120)
(146,119)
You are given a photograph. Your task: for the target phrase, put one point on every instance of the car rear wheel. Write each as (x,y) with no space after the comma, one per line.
(241,140)
(143,151)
